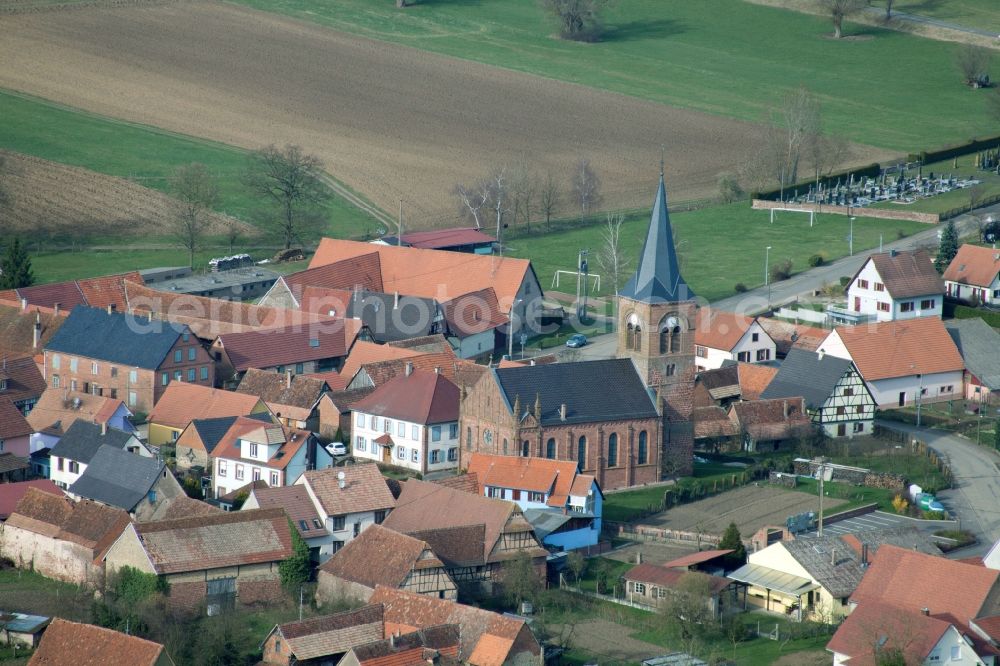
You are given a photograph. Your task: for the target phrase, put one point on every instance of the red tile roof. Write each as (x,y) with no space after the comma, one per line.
(290,440)
(909,579)
(359,270)
(334,380)
(875,625)
(24,379)
(228,539)
(553,477)
(267,348)
(767,419)
(662,576)
(380,556)
(182,403)
(487,638)
(472,313)
(90,524)
(17,329)
(66,642)
(432,273)
(754,379)
(974,265)
(420,397)
(712,421)
(906,273)
(695,558)
(330,635)
(58,409)
(444,238)
(323,301)
(990,626)
(296,503)
(364,489)
(787,335)
(99,292)
(290,397)
(901,348)
(719,329)
(12,422)
(370,352)
(11,493)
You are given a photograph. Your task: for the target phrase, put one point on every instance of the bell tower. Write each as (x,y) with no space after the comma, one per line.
(656,308)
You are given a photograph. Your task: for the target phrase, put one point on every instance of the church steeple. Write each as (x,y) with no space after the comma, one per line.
(658,277)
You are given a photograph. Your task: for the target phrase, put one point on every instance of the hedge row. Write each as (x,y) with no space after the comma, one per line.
(948,152)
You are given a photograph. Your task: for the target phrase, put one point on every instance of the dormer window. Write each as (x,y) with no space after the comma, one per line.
(253,450)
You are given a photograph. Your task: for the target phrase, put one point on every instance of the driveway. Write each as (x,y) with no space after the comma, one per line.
(975,500)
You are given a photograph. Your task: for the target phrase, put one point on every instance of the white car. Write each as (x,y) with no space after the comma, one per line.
(337,449)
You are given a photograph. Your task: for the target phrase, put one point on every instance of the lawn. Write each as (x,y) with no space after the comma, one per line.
(981,14)
(29,592)
(855,495)
(144,154)
(726,57)
(717,246)
(628,505)
(916,468)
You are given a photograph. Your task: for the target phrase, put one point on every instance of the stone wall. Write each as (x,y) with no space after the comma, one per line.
(330,588)
(879,213)
(53,558)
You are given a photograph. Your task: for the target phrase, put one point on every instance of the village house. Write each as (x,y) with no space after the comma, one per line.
(59,538)
(896,285)
(836,397)
(814,578)
(725,336)
(292,398)
(322,640)
(99,292)
(485,638)
(69,458)
(876,632)
(197,442)
(381,556)
(411,422)
(134,483)
(214,561)
(731,383)
(15,431)
(438,645)
(58,409)
(474,322)
(788,335)
(124,357)
(563,506)
(974,274)
(66,642)
(21,382)
(904,363)
(299,507)
(651,585)
(472,535)
(597,414)
(182,403)
(458,239)
(978,343)
(270,452)
(769,425)
(349,500)
(299,349)
(911,582)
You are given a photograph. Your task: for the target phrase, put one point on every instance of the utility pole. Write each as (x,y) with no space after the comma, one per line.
(583,270)
(399,225)
(821,474)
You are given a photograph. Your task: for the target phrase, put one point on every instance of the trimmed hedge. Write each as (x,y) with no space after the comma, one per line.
(948,152)
(960,311)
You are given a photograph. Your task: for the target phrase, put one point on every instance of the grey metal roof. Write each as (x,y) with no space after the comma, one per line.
(116,337)
(772,579)
(82,440)
(808,375)
(547,521)
(979,345)
(392,317)
(23,622)
(592,391)
(658,277)
(117,478)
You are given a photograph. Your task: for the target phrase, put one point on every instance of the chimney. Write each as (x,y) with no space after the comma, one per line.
(341,480)
(893,253)
(55,308)
(532,361)
(395,301)
(833,557)
(864,555)
(36,337)
(562,412)
(820,353)
(437,370)
(784,408)
(288,379)
(24,304)
(392,640)
(111,308)
(925,611)
(638,557)
(408,368)
(104,428)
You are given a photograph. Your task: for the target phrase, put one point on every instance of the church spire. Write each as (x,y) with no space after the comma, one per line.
(658,277)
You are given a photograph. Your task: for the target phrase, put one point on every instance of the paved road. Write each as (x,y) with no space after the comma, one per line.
(926,20)
(976,469)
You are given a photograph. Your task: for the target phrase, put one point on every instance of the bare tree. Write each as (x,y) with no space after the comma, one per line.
(795,126)
(290,180)
(197,192)
(232,236)
(974,63)
(757,171)
(689,618)
(579,20)
(473,199)
(522,194)
(548,197)
(888,10)
(611,258)
(826,153)
(841,9)
(585,185)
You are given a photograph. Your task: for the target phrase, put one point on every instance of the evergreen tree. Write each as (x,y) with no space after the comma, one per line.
(731,540)
(15,267)
(948,247)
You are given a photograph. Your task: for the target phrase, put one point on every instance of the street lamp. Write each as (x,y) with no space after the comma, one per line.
(851,236)
(767,271)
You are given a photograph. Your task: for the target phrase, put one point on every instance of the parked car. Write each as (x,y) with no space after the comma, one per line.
(337,449)
(577,340)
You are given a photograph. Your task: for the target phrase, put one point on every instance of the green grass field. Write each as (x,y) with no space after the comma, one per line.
(726,57)
(718,246)
(982,14)
(146,154)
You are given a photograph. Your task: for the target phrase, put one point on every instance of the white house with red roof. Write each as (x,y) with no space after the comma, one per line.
(726,336)
(564,506)
(256,451)
(410,421)
(896,285)
(974,272)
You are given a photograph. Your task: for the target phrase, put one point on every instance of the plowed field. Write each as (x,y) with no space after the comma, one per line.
(389,121)
(61,201)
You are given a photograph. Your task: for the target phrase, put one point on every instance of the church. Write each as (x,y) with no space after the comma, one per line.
(627,420)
